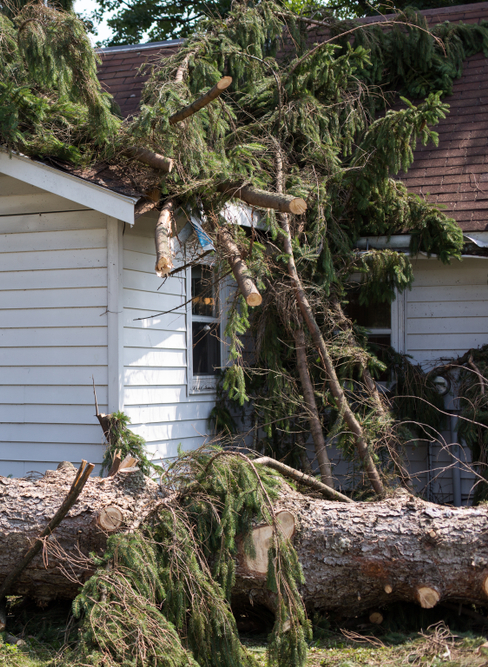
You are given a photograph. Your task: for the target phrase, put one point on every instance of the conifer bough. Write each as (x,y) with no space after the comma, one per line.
(202,101)
(262,199)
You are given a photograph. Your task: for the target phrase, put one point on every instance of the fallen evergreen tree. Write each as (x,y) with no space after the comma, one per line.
(251,109)
(297,134)
(168,561)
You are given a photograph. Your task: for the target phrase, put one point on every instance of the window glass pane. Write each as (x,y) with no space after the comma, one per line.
(203,291)
(378,344)
(206,348)
(374,316)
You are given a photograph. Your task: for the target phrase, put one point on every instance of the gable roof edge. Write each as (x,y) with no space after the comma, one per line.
(68,186)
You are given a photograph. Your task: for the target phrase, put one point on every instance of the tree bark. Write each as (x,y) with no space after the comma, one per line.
(355,557)
(26,506)
(164,256)
(361,556)
(151,159)
(278,202)
(239,269)
(312,411)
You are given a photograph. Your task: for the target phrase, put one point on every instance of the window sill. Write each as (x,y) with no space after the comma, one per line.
(203,384)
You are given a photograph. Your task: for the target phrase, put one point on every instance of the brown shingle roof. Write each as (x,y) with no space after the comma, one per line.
(454,175)
(120,73)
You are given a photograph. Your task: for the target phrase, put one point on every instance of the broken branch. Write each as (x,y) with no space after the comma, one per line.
(152,159)
(164,259)
(278,202)
(239,269)
(299,476)
(202,101)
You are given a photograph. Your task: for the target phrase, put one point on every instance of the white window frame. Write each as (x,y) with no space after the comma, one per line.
(202,384)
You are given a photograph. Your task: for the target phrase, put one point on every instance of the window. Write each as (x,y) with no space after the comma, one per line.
(377,319)
(204,332)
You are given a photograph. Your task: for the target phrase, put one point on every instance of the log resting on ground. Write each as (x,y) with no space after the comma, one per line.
(355,557)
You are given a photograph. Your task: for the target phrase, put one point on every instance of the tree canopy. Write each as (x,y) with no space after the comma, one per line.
(154,20)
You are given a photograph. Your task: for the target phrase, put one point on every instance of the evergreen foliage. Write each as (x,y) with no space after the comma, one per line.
(122,440)
(313,114)
(51,103)
(160,597)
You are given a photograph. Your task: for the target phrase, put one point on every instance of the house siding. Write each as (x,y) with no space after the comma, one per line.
(446,314)
(53,329)
(155,356)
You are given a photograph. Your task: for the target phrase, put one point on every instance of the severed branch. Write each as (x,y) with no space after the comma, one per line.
(103,419)
(279,202)
(301,477)
(79,482)
(152,159)
(202,101)
(239,269)
(164,257)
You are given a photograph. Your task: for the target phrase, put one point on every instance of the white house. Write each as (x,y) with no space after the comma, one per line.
(76,282)
(80,302)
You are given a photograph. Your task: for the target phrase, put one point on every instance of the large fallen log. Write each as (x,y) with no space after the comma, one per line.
(354,556)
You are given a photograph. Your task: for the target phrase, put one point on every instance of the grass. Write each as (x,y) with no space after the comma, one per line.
(408,636)
(415,650)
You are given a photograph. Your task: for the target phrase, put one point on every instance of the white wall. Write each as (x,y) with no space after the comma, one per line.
(156,395)
(53,329)
(446,314)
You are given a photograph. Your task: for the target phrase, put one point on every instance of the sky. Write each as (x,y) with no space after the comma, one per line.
(87,7)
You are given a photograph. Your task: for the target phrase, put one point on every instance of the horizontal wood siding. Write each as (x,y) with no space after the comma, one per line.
(155,352)
(446,314)
(446,309)
(53,329)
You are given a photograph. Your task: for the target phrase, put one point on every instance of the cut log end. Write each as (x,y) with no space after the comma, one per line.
(376,618)
(298,206)
(110,518)
(254,299)
(164,267)
(261,538)
(388,589)
(427,597)
(224,83)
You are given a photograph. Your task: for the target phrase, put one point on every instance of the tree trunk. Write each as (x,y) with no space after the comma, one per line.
(28,505)
(364,555)
(354,556)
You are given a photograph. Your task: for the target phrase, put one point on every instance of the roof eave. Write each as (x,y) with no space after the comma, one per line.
(68,186)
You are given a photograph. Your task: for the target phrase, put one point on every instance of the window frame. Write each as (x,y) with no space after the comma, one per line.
(202,384)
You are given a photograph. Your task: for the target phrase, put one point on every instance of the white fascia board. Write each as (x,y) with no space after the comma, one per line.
(478,238)
(395,242)
(68,186)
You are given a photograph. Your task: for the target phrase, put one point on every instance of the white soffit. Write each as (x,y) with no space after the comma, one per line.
(70,187)
(395,242)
